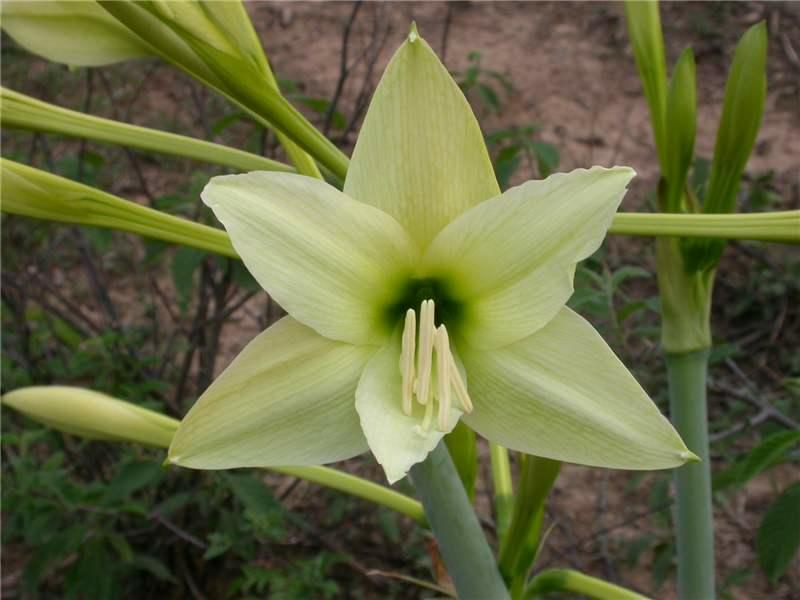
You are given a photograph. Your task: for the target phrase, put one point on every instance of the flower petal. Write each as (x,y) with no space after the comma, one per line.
(398,441)
(330,261)
(286,399)
(420,155)
(511,260)
(563,394)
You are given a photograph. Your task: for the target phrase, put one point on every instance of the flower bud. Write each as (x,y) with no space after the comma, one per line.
(92,415)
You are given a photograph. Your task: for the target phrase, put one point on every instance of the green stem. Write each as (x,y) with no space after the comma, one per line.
(355,486)
(503,490)
(466,553)
(567,580)
(775,226)
(695,518)
(24,112)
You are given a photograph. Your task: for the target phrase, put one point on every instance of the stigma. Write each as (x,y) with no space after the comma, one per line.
(420,383)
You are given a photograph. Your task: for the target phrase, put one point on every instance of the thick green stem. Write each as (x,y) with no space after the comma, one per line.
(567,580)
(695,518)
(466,553)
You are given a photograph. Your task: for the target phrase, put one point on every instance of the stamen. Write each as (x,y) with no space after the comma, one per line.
(459,387)
(426,420)
(425,358)
(417,382)
(443,360)
(407,360)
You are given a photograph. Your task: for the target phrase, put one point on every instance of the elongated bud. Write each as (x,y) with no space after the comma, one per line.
(92,415)
(647,41)
(681,125)
(742,112)
(35,193)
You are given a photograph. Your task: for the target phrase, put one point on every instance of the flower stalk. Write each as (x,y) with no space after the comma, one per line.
(23,112)
(694,512)
(466,553)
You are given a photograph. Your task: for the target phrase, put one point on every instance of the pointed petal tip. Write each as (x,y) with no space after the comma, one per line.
(413,34)
(690,457)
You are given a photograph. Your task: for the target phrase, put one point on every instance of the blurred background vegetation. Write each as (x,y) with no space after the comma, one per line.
(554,87)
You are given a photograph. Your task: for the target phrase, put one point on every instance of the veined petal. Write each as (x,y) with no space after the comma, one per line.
(511,260)
(286,399)
(330,261)
(562,394)
(420,155)
(398,441)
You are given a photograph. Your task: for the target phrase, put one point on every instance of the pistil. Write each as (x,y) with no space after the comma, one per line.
(416,382)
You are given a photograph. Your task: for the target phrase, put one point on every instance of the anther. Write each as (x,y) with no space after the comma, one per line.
(459,387)
(443,360)
(425,358)
(407,360)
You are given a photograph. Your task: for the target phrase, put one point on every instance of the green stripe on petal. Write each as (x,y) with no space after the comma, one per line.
(420,155)
(511,260)
(398,441)
(286,399)
(331,262)
(562,394)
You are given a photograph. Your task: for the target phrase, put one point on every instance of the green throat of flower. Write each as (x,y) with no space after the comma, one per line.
(424,381)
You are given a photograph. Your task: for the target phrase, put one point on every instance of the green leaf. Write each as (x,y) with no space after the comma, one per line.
(742,112)
(506,164)
(184,264)
(681,124)
(92,577)
(219,544)
(779,535)
(254,495)
(132,478)
(547,158)
(767,454)
(489,97)
(154,567)
(647,40)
